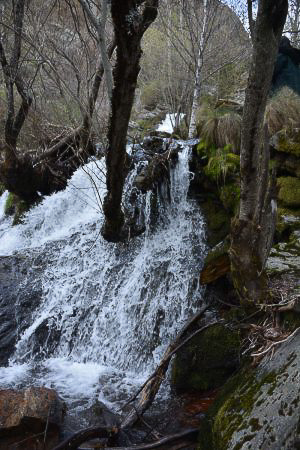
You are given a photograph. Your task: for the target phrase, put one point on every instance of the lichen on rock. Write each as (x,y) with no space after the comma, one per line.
(258,408)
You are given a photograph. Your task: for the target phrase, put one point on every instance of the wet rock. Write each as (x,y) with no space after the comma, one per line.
(207,361)
(216,263)
(259,408)
(20,293)
(285,256)
(29,417)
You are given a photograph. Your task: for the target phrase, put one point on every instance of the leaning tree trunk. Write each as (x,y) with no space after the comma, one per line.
(252,232)
(130,23)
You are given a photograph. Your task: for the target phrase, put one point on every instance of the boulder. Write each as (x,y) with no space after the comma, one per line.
(258,408)
(20,294)
(29,417)
(207,361)
(289,192)
(287,142)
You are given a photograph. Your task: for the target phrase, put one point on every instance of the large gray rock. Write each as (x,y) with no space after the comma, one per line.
(262,411)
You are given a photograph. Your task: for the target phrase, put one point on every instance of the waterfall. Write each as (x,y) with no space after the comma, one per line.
(107,311)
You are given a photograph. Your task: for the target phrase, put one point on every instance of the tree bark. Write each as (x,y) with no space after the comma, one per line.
(198,81)
(129,24)
(252,232)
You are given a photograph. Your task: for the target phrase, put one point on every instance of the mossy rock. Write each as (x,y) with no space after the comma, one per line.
(207,361)
(230,197)
(289,192)
(10,204)
(217,219)
(287,142)
(287,221)
(258,408)
(2,189)
(14,206)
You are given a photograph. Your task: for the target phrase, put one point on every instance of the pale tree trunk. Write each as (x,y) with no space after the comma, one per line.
(98,22)
(252,232)
(294,21)
(198,76)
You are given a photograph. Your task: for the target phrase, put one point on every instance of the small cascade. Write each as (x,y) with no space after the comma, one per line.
(107,311)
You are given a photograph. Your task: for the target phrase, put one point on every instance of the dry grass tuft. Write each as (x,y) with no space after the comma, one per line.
(221,130)
(283,111)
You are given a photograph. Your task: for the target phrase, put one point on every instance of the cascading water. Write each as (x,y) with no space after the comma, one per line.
(107,311)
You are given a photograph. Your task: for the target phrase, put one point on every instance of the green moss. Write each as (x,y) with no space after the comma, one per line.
(21,208)
(230,197)
(10,204)
(222,165)
(287,145)
(207,361)
(218,221)
(219,250)
(2,189)
(234,411)
(289,192)
(16,207)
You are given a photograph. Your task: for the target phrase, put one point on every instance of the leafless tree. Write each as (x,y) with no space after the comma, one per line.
(252,232)
(131,18)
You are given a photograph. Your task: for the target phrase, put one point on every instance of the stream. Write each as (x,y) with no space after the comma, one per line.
(94,318)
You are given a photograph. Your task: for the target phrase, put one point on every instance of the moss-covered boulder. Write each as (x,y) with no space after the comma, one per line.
(217,219)
(207,361)
(222,165)
(258,408)
(289,192)
(230,197)
(287,141)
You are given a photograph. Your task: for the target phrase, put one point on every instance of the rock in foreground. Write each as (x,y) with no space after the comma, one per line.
(30,418)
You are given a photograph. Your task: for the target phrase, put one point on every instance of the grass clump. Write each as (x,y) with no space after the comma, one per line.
(219,129)
(283,111)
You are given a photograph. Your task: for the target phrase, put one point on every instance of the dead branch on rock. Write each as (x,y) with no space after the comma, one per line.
(190,435)
(192,321)
(152,385)
(264,352)
(87,434)
(148,392)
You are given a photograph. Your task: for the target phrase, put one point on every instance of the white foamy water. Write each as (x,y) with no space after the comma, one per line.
(107,311)
(168,124)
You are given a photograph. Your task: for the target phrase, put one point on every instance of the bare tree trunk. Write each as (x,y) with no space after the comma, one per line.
(252,232)
(99,23)
(130,24)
